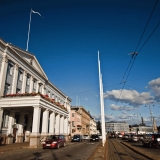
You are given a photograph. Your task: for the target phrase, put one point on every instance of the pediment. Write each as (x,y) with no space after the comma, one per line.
(30,58)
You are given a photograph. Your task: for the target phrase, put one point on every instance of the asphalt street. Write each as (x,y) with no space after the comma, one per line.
(72,151)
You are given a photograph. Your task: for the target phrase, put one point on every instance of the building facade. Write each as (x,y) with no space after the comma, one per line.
(31,107)
(82,122)
(76,123)
(85,118)
(117,127)
(93,126)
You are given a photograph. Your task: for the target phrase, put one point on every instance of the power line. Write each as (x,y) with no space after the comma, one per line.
(146,25)
(134,54)
(149,37)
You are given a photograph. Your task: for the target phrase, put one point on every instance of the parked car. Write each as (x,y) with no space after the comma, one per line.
(112,135)
(94,137)
(133,138)
(151,140)
(125,137)
(100,136)
(54,141)
(140,138)
(77,138)
(85,136)
(119,135)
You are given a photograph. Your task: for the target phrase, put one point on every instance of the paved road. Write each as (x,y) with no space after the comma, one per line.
(72,151)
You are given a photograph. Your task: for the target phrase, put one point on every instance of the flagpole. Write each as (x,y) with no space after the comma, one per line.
(101,104)
(29,30)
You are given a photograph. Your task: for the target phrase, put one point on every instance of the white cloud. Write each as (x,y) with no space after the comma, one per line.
(131,97)
(155,87)
(121,108)
(86,99)
(124,112)
(107,117)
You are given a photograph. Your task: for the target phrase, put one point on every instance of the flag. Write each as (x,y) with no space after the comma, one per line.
(36,12)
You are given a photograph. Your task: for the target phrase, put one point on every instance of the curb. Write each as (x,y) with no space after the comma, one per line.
(94,152)
(95,155)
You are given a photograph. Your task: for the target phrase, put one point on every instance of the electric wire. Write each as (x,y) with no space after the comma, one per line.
(146,25)
(136,53)
(149,37)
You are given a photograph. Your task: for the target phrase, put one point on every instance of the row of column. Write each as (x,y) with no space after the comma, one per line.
(58,124)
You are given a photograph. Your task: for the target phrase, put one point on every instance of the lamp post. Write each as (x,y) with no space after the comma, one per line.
(151,117)
(137,121)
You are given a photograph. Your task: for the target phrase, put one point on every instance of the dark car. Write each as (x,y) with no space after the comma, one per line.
(151,140)
(77,138)
(125,137)
(140,138)
(94,137)
(54,141)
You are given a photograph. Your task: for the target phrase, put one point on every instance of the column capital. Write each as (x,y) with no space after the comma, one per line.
(25,73)
(5,58)
(37,106)
(16,66)
(51,111)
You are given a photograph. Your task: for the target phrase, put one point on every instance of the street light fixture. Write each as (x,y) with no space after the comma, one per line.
(151,117)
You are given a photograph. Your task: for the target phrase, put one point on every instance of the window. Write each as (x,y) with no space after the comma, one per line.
(72,123)
(7,89)
(20,75)
(48,93)
(17,118)
(28,80)
(72,114)
(40,88)
(10,69)
(34,84)
(5,120)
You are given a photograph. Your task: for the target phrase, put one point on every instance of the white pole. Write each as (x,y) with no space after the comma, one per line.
(102,104)
(29,30)
(103,115)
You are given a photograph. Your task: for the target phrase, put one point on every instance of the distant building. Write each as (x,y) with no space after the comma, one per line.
(76,122)
(141,129)
(114,126)
(93,126)
(82,122)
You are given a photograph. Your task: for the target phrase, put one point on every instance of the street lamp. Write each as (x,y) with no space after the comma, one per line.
(151,117)
(137,121)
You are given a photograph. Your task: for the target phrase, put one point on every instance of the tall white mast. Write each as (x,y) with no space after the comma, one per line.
(102,104)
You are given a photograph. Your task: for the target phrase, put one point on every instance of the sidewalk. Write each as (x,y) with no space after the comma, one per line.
(100,153)
(9,147)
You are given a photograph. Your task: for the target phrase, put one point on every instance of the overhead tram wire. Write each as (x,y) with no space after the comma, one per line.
(136,53)
(94,89)
(146,25)
(149,37)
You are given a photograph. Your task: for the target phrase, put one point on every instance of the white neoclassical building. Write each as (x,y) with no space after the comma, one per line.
(117,126)
(31,107)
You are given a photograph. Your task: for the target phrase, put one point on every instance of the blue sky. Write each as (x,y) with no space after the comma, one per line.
(66,42)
